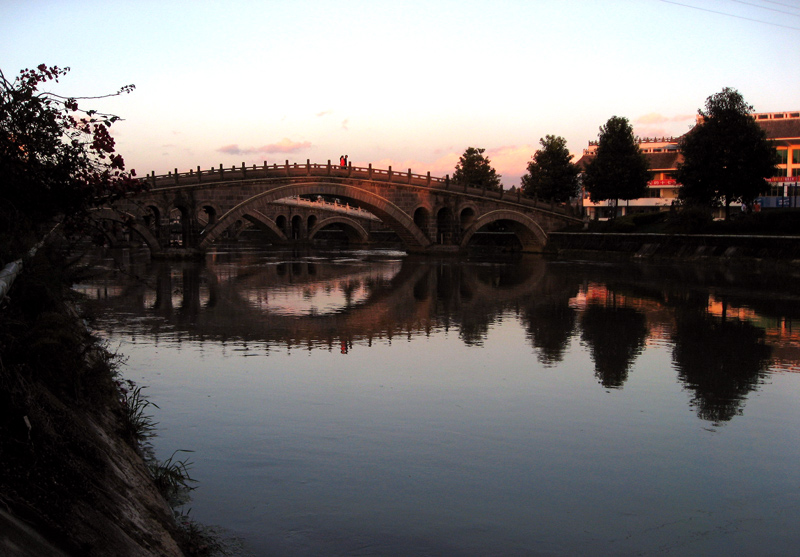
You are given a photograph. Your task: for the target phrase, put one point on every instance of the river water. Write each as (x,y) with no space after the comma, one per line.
(371,403)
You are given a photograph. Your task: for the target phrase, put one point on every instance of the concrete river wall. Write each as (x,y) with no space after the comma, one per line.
(680,246)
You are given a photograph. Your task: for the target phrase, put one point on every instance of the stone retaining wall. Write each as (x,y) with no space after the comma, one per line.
(681,246)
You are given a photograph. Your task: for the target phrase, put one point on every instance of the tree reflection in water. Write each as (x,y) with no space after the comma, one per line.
(720,360)
(549,317)
(615,335)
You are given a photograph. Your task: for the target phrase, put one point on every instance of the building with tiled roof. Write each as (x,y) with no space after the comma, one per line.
(663,156)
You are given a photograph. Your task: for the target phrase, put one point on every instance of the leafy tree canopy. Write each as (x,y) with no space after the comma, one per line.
(551,172)
(619,169)
(475,170)
(727,155)
(57,160)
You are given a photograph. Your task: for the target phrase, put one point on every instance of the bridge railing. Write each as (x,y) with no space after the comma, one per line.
(389,175)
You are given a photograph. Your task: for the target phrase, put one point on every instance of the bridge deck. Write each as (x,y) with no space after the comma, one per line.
(287,170)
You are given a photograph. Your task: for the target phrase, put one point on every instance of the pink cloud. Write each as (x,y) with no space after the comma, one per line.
(283,146)
(659,125)
(656,118)
(324,113)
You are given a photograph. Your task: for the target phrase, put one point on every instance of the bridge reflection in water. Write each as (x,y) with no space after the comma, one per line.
(721,347)
(373,403)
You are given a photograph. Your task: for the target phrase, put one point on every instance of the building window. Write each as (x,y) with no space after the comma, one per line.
(783,155)
(795,156)
(796,172)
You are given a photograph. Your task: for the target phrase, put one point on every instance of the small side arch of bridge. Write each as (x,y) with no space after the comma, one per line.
(353,229)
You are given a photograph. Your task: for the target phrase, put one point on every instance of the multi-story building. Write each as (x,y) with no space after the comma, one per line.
(663,156)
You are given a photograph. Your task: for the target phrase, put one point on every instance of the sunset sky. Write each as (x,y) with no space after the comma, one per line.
(409,84)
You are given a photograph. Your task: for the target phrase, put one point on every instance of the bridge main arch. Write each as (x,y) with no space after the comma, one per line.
(392,215)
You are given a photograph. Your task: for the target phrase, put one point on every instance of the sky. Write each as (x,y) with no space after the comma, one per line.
(409,84)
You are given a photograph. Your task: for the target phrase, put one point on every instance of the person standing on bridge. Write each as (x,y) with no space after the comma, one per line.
(345,161)
(342,163)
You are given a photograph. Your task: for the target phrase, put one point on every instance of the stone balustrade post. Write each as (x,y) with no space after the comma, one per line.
(389,174)
(243,171)
(308,167)
(199,173)
(329,167)
(447,181)
(176,176)
(428,181)
(369,171)
(409,175)
(153,177)
(287,167)
(221,172)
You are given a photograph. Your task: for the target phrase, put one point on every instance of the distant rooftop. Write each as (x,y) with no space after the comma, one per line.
(780,125)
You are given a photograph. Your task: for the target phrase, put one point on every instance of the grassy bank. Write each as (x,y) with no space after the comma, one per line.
(73,462)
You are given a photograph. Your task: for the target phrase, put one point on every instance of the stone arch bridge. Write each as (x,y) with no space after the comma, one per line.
(429,214)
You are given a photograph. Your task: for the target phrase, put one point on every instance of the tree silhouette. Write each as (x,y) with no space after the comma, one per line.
(57,160)
(727,155)
(474,170)
(551,173)
(619,169)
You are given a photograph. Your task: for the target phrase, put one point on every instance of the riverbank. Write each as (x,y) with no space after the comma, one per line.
(721,247)
(73,480)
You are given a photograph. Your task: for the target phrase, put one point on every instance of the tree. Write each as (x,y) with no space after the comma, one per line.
(551,173)
(56,159)
(475,170)
(618,169)
(727,155)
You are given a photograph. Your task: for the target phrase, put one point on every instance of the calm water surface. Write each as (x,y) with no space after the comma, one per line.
(369,403)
